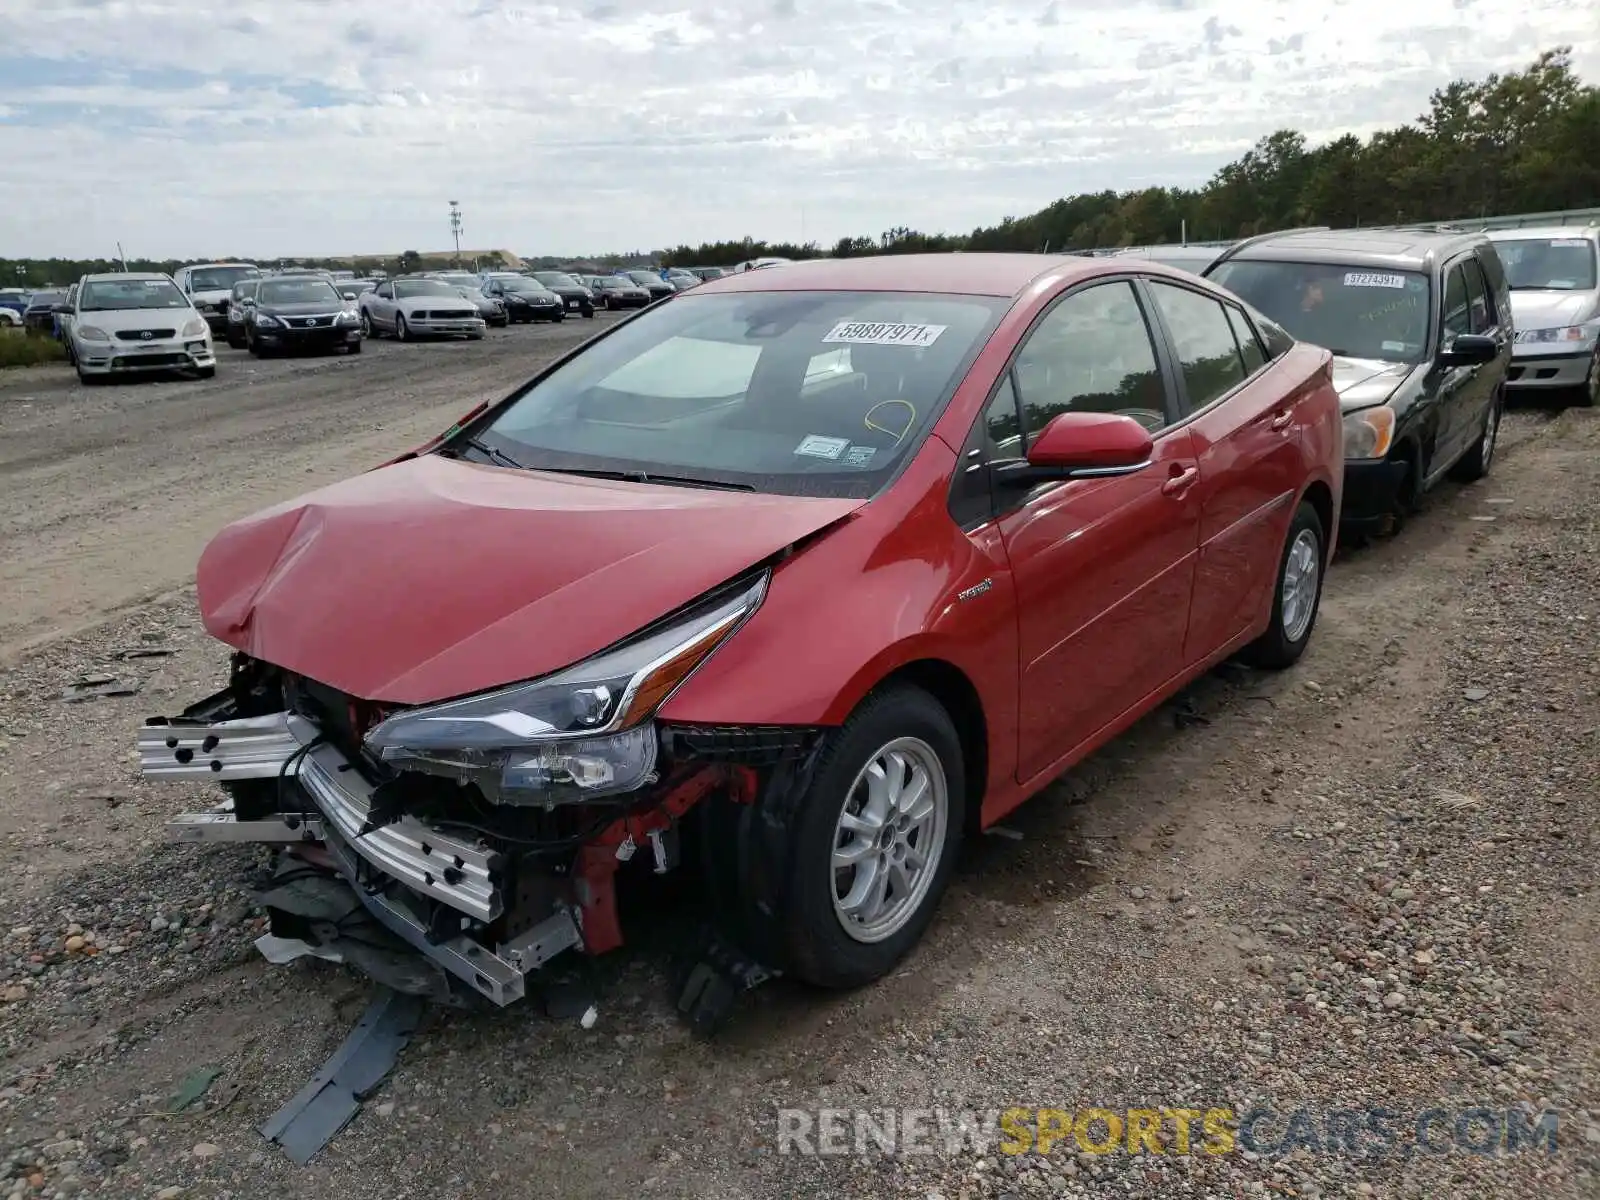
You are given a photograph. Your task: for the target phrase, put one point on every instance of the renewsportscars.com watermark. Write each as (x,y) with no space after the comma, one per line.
(1270,1133)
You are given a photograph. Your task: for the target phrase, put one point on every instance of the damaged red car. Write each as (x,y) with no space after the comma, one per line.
(796,580)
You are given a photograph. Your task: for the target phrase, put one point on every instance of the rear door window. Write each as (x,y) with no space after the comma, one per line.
(1208,355)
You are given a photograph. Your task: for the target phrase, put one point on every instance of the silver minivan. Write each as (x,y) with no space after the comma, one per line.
(1555,303)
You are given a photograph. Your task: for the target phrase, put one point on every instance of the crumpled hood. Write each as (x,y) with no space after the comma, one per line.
(1363,382)
(1550,310)
(434,578)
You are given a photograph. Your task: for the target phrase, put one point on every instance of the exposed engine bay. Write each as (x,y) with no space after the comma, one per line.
(386,854)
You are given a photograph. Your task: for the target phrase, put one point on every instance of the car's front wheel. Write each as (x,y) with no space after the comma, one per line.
(401,332)
(1296,595)
(876,841)
(366,324)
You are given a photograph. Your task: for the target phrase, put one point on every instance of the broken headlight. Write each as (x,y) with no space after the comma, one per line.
(580,734)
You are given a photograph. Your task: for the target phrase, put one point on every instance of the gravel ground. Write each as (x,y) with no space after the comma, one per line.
(1365,883)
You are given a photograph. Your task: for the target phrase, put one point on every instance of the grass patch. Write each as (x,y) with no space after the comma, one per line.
(18,349)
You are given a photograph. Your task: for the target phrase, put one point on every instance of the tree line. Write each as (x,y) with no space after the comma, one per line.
(1525,141)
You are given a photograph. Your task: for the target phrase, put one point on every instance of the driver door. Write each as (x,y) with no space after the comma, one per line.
(381,309)
(1103,568)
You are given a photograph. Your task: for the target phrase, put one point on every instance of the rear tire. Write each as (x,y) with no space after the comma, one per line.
(1296,594)
(1476,462)
(908,732)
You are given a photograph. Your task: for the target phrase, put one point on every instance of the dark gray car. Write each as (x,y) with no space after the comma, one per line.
(1419,322)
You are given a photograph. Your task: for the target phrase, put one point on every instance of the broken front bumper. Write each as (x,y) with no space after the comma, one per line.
(393,868)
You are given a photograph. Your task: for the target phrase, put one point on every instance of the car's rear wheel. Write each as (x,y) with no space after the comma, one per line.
(1475,463)
(876,840)
(1296,594)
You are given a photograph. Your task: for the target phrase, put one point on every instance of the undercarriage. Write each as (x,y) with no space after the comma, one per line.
(458,897)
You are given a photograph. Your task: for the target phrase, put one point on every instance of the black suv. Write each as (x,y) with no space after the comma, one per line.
(1419,322)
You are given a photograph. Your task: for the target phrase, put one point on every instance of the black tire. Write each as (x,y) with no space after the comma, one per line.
(367,328)
(588,314)
(401,332)
(610,307)
(1587,394)
(352,348)
(206,372)
(234,341)
(252,345)
(1477,462)
(1281,647)
(87,380)
(819,950)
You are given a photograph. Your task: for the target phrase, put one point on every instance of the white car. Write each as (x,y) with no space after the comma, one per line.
(209,287)
(1554,272)
(414,307)
(133,322)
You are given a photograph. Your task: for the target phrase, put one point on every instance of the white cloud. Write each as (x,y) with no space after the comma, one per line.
(309,126)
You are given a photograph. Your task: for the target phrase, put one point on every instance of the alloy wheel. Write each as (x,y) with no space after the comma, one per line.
(1302,571)
(889,839)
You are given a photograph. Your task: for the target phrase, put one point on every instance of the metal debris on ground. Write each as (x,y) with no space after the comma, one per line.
(1004,831)
(147,652)
(93,687)
(332,1099)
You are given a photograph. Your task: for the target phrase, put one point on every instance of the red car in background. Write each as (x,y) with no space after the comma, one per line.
(797,580)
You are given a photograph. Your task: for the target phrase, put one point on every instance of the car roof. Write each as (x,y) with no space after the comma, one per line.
(128,275)
(1414,249)
(1591,232)
(986,274)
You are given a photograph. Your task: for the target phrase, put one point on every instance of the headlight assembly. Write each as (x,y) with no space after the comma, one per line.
(1369,432)
(582,733)
(194,329)
(263,321)
(1567,335)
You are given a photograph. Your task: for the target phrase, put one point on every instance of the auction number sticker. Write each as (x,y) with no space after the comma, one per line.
(814,445)
(884,333)
(1371,279)
(1569,243)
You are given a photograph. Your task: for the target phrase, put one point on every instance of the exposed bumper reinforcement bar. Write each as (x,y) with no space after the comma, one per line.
(249,748)
(463,874)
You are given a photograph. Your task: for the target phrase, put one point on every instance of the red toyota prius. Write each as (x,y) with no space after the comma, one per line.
(795,580)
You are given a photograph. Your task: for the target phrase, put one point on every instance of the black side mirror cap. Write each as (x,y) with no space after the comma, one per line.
(1470,350)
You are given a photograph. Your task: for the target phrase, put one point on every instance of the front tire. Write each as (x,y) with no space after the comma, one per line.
(206,372)
(352,348)
(1296,594)
(401,332)
(876,842)
(1587,394)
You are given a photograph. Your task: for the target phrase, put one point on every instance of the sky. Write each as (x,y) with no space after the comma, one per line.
(332,127)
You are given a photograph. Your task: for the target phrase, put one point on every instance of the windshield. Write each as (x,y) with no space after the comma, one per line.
(519,284)
(105,295)
(297,291)
(803,393)
(243,288)
(1357,312)
(466,281)
(555,279)
(1549,264)
(405,289)
(645,277)
(219,279)
(40,299)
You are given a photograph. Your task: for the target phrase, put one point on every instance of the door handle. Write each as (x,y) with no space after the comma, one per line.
(1181,482)
(1280,420)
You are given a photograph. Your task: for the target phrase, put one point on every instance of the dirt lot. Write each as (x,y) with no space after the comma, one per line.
(1367,883)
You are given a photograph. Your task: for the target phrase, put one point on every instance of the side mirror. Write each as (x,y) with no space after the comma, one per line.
(1469,350)
(61,310)
(348,295)
(1083,445)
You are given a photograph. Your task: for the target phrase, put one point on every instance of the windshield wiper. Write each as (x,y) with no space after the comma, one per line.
(650,477)
(499,457)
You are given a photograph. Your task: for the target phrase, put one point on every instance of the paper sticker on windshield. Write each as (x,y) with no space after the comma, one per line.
(860,456)
(814,445)
(1569,243)
(1370,279)
(1562,285)
(883,333)
(1394,347)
